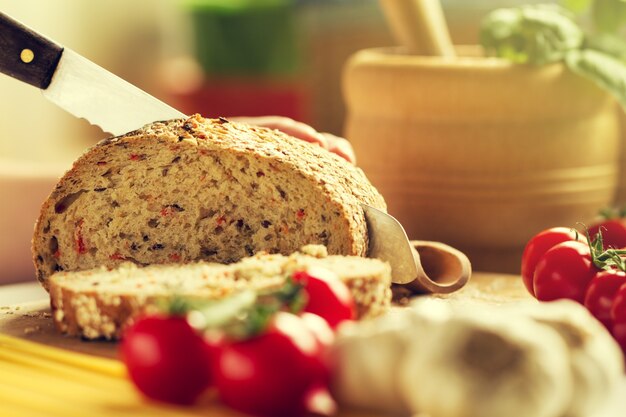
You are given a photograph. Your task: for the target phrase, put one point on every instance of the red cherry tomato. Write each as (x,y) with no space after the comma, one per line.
(214,341)
(564,271)
(613,233)
(328,296)
(618,316)
(167,359)
(273,373)
(537,247)
(601,293)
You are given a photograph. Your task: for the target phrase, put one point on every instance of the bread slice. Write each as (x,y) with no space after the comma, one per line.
(197,189)
(100,303)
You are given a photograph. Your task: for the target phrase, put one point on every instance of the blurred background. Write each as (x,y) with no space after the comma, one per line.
(214,57)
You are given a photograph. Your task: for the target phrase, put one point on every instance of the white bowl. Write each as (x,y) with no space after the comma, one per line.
(24,185)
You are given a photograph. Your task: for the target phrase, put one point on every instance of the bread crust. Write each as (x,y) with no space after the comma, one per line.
(69,237)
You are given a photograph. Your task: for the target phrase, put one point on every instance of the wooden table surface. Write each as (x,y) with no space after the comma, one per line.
(32,320)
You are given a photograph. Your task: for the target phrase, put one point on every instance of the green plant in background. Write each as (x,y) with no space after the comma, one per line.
(245,37)
(583,34)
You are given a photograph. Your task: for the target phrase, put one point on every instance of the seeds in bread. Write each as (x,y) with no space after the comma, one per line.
(100,303)
(199,189)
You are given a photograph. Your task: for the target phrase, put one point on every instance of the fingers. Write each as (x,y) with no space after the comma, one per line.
(341,147)
(335,144)
(287,125)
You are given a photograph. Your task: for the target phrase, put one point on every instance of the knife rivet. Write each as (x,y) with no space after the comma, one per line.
(27,56)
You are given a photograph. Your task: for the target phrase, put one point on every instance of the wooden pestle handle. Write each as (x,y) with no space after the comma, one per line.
(420,26)
(26,55)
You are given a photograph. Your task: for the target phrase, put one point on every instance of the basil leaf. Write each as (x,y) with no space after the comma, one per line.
(537,34)
(607,72)
(608,43)
(218,313)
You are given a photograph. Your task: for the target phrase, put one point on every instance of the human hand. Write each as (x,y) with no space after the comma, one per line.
(335,144)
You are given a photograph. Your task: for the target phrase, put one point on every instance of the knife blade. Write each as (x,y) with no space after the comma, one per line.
(76,84)
(388,241)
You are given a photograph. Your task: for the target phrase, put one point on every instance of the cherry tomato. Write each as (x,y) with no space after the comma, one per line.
(564,271)
(601,292)
(318,400)
(328,296)
(618,316)
(214,340)
(166,358)
(613,233)
(537,246)
(273,373)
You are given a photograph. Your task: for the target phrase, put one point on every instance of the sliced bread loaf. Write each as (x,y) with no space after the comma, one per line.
(197,189)
(100,303)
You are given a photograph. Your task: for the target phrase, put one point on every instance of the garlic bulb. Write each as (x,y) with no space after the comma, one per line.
(487,366)
(473,360)
(367,356)
(596,361)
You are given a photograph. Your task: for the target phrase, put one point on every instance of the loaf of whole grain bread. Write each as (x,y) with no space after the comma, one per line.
(100,303)
(199,189)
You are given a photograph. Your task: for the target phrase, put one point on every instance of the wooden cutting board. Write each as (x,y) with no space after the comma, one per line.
(32,321)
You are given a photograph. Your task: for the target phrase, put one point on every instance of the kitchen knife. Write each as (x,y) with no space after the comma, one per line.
(76,84)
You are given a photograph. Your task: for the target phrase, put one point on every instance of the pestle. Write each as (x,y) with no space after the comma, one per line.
(420,26)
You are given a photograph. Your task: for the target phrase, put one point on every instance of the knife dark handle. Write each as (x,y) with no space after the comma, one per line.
(26,55)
